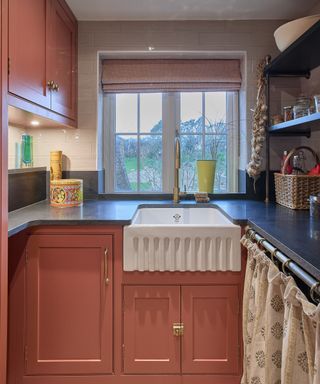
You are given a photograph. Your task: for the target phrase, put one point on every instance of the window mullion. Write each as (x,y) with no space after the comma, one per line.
(138,144)
(109,122)
(203,126)
(169,126)
(232,121)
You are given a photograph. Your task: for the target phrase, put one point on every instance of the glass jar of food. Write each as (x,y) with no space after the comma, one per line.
(299,111)
(317,102)
(302,107)
(287,113)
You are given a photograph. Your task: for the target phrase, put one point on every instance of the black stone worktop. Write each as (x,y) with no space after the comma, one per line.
(292,232)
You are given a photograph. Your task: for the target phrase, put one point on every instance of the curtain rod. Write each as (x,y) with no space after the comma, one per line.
(287,264)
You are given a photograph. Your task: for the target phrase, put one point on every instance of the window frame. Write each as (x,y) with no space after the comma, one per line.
(170,128)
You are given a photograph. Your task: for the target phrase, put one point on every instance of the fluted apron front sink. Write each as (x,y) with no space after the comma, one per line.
(181,239)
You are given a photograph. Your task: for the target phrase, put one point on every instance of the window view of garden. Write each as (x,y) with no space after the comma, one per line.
(138,140)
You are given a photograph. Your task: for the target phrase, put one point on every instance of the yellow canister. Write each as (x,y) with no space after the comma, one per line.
(66,193)
(55,165)
(206,175)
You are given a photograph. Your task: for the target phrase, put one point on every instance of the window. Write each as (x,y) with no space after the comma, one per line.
(140,129)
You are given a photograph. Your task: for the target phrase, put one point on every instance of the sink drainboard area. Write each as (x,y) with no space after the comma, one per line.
(181,239)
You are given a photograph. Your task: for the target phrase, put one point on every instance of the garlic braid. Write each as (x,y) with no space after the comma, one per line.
(259,125)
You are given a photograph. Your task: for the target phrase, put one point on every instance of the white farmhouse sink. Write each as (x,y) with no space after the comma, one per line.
(181,239)
(180,217)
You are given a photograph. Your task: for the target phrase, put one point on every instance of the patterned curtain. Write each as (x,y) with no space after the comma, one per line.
(281,328)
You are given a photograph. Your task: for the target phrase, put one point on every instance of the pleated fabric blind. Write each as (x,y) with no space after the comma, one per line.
(170,75)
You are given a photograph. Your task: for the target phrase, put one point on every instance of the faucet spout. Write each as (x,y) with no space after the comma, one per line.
(177,164)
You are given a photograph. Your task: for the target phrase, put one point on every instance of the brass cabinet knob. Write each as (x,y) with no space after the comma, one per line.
(55,87)
(178,329)
(50,84)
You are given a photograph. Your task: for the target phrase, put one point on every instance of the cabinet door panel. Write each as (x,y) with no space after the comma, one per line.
(149,313)
(69,305)
(28,22)
(210,344)
(63,60)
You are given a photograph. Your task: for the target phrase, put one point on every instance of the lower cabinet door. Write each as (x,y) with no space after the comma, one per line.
(210,344)
(150,346)
(69,305)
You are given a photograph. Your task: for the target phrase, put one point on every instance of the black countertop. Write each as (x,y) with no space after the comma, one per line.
(292,232)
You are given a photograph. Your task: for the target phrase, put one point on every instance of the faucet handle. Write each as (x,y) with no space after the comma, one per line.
(184,193)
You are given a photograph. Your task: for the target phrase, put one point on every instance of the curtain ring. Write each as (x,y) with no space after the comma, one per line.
(312,292)
(273,255)
(248,229)
(284,265)
(259,243)
(252,236)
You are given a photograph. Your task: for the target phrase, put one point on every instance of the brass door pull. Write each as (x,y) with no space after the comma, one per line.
(50,84)
(178,329)
(106,275)
(55,87)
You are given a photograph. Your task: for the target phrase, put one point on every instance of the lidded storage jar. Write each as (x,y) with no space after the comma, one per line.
(66,193)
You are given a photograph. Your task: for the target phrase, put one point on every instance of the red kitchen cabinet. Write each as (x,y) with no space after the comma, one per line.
(3,192)
(69,305)
(149,344)
(68,326)
(28,50)
(63,60)
(209,317)
(211,343)
(43,59)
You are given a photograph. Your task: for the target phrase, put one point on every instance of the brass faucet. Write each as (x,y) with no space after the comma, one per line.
(177,164)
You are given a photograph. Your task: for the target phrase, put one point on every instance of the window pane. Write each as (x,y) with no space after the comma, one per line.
(191,112)
(126,113)
(126,164)
(151,163)
(151,112)
(191,151)
(215,108)
(216,147)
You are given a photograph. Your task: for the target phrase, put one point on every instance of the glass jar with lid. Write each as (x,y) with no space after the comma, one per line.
(301,107)
(288,113)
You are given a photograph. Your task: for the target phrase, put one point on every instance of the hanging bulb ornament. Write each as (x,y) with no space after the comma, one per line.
(260,117)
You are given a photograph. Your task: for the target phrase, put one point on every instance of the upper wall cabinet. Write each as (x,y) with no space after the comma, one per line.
(42,59)
(28,48)
(63,61)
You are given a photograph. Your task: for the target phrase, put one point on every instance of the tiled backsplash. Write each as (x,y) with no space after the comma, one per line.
(78,147)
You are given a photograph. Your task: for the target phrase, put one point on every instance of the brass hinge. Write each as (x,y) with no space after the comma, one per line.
(123,350)
(8,66)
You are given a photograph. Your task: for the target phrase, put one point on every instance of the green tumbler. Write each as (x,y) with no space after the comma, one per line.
(26,150)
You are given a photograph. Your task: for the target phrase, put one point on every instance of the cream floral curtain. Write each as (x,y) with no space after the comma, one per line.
(281,328)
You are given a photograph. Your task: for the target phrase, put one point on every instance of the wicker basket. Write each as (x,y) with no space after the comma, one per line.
(293,191)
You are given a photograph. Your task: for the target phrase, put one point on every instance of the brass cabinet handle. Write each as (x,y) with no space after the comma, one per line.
(55,87)
(178,329)
(106,275)
(50,84)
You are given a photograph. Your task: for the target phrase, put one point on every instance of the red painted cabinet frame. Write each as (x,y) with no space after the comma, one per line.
(69,296)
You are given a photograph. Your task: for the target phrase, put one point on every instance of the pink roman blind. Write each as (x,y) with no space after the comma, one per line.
(170,75)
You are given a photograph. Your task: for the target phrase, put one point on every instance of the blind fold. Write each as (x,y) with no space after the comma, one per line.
(170,75)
